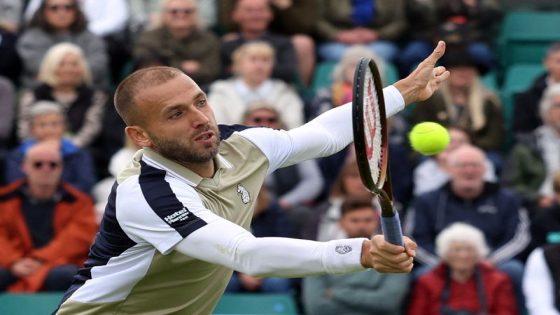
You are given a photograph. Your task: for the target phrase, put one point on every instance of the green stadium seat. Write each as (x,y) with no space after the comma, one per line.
(240,303)
(46,303)
(525,36)
(517,79)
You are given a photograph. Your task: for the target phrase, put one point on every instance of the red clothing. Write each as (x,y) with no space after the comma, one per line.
(426,296)
(74,229)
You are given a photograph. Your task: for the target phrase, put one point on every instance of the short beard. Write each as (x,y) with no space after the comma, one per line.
(173,150)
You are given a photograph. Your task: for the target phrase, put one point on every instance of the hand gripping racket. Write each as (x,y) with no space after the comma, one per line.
(371,143)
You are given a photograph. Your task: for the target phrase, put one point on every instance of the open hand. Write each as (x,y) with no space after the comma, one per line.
(425,79)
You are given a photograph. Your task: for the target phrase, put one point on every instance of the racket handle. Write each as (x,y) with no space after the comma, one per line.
(392,231)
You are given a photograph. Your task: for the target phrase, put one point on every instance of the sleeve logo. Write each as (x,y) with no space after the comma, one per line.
(243,193)
(343,249)
(180,215)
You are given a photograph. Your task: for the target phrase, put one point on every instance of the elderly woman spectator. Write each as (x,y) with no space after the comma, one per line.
(180,42)
(66,79)
(252,64)
(47,123)
(462,283)
(58,21)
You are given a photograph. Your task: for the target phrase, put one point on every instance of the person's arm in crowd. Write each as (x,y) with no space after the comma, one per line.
(24,107)
(96,54)
(309,186)
(92,122)
(210,64)
(7,108)
(284,66)
(419,223)
(314,291)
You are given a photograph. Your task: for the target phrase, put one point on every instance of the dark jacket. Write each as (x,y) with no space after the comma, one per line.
(497,212)
(526,116)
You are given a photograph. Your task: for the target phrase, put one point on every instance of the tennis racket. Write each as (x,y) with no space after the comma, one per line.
(371,143)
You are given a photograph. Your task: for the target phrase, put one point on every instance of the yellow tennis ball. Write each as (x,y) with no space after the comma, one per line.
(428,138)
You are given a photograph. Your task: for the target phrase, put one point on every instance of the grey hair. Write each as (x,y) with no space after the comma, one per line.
(41,108)
(461,232)
(352,55)
(551,91)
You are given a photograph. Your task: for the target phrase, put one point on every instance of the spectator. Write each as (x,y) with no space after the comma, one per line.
(46,226)
(468,23)
(180,42)
(7,110)
(253,18)
(269,220)
(10,63)
(536,157)
(58,21)
(376,24)
(463,101)
(295,185)
(323,224)
(340,91)
(545,226)
(47,123)
(252,64)
(468,198)
(65,78)
(542,280)
(366,292)
(119,161)
(462,283)
(432,173)
(526,116)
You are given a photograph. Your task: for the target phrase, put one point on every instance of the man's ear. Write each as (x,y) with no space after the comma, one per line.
(139,136)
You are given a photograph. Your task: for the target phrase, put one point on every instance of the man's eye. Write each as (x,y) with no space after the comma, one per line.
(202,102)
(176,114)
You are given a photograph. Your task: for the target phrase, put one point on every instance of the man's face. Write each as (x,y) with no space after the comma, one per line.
(462,256)
(466,169)
(552,65)
(178,121)
(462,77)
(252,15)
(180,15)
(263,117)
(255,67)
(48,126)
(43,167)
(362,222)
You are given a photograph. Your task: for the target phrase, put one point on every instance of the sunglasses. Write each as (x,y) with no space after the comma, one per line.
(181,11)
(51,164)
(61,7)
(269,120)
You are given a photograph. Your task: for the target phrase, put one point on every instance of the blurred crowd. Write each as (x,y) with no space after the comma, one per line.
(485,212)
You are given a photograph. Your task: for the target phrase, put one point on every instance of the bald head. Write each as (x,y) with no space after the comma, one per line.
(131,86)
(466,153)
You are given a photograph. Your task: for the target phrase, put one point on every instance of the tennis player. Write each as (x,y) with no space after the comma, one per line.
(176,223)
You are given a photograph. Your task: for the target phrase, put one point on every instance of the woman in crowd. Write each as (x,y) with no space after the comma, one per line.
(55,22)
(65,78)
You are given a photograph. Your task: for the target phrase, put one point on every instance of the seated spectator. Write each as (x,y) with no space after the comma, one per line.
(462,283)
(536,157)
(545,226)
(366,292)
(526,116)
(269,220)
(119,161)
(180,42)
(376,24)
(542,280)
(253,18)
(432,173)
(323,223)
(252,64)
(47,123)
(463,101)
(340,91)
(47,226)
(468,198)
(58,21)
(65,78)
(10,63)
(472,24)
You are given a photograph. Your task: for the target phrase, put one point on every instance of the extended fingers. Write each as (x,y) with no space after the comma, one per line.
(435,55)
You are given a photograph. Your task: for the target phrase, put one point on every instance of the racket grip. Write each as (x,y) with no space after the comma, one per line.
(392,230)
